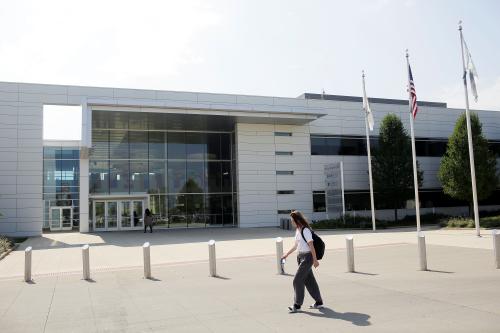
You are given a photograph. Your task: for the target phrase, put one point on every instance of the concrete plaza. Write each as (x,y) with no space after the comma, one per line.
(460,292)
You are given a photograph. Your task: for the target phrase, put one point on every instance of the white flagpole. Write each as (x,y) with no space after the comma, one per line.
(415,176)
(469,137)
(369,158)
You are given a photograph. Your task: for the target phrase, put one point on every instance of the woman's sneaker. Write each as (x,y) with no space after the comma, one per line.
(316,305)
(294,308)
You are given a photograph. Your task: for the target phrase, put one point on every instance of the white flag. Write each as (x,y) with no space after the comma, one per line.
(471,69)
(366,107)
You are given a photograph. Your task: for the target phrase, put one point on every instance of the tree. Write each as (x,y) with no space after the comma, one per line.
(393,166)
(454,170)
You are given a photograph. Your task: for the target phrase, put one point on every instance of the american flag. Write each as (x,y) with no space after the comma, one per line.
(413,94)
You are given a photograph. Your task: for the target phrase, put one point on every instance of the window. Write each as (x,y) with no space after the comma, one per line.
(284,153)
(494,146)
(282,133)
(430,147)
(284,211)
(284,172)
(319,201)
(338,145)
(188,174)
(285,192)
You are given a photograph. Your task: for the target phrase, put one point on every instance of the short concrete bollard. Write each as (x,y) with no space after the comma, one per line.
(86,262)
(147,260)
(279,254)
(422,251)
(349,242)
(496,247)
(211,258)
(27,264)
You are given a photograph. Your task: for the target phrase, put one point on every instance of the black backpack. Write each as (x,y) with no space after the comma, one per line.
(319,245)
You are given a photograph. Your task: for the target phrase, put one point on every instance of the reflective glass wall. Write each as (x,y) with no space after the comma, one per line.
(183,163)
(61,187)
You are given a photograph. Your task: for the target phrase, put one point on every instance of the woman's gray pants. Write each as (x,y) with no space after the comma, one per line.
(305,278)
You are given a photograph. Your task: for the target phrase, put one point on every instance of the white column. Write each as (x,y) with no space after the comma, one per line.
(496,247)
(27,264)
(349,242)
(86,144)
(211,258)
(279,254)
(147,260)
(422,251)
(86,261)
(84,190)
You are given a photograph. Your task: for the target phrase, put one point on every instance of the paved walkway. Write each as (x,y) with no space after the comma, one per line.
(61,252)
(460,293)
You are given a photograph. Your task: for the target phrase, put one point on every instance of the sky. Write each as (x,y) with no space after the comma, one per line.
(255,47)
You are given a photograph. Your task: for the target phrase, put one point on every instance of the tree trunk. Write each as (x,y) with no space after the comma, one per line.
(395,215)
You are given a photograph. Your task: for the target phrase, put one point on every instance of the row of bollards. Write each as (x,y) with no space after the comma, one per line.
(279,253)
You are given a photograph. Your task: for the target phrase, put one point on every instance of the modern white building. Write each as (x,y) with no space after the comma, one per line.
(197,159)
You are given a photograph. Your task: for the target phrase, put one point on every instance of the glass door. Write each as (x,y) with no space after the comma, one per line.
(99,215)
(61,218)
(55,218)
(138,214)
(111,215)
(125,217)
(67,218)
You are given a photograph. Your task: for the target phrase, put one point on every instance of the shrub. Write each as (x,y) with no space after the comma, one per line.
(5,244)
(484,222)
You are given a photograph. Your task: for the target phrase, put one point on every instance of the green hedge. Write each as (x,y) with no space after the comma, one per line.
(350,222)
(484,222)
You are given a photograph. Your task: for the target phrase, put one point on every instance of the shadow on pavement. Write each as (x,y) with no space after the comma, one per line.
(134,238)
(358,319)
(364,273)
(153,279)
(437,271)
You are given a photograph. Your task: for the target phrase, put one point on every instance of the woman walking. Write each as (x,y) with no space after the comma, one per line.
(306,258)
(148,220)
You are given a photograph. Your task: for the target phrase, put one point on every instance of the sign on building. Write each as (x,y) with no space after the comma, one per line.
(334,190)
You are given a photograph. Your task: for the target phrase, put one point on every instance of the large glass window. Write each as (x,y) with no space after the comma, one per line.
(157,145)
(195,146)
(213,146)
(138,177)
(138,143)
(157,176)
(225,146)
(176,143)
(176,176)
(213,209)
(356,145)
(99,176)
(187,174)
(195,182)
(61,186)
(119,176)
(118,145)
(214,176)
(319,201)
(100,144)
(177,210)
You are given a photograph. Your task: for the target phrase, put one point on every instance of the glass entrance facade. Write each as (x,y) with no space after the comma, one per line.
(61,187)
(183,166)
